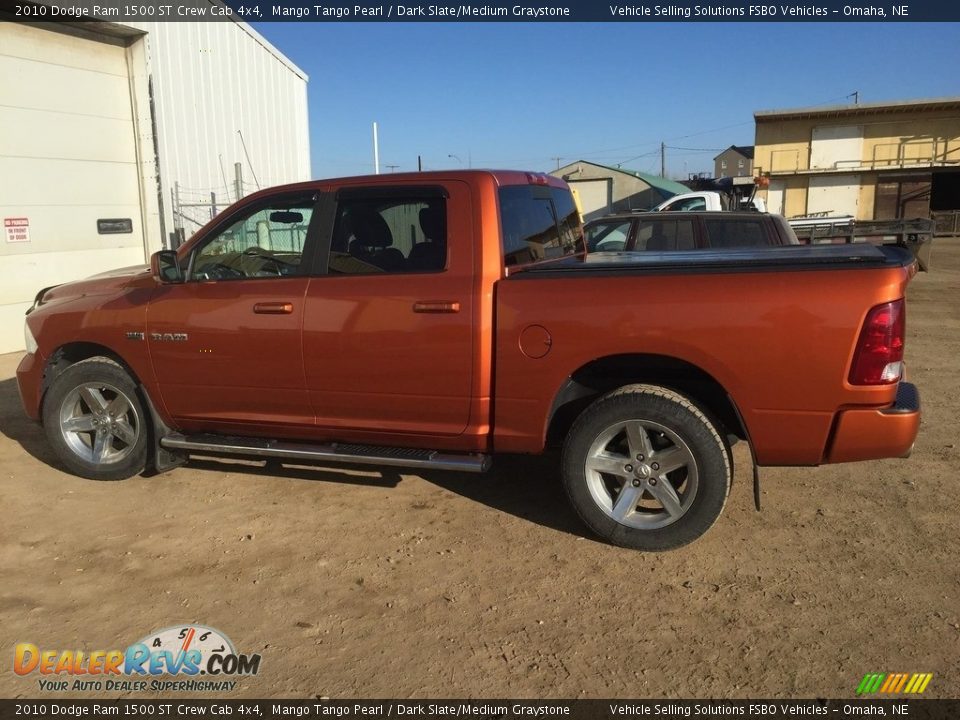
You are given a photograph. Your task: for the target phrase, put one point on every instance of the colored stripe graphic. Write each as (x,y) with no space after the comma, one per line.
(892,683)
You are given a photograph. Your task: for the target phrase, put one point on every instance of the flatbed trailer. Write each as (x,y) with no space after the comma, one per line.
(916,235)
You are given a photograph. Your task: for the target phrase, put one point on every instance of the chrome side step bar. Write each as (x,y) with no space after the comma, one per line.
(328,452)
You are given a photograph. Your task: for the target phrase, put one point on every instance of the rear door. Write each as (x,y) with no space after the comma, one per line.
(388,319)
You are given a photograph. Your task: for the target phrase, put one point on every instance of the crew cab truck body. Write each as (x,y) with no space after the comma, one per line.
(432,320)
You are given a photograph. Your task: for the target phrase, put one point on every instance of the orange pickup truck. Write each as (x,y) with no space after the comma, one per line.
(432,320)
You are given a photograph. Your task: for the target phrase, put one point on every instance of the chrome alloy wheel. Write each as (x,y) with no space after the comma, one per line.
(99,423)
(641,474)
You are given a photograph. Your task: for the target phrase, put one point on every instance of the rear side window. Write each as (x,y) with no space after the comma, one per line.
(389,235)
(724,233)
(538,222)
(665,235)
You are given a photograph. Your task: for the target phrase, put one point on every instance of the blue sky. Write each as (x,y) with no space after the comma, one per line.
(517,95)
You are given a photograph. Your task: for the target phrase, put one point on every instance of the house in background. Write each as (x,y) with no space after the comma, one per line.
(604,190)
(875,161)
(735,161)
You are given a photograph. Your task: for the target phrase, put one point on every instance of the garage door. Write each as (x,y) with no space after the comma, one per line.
(836,147)
(595,197)
(68,162)
(834,195)
(775,196)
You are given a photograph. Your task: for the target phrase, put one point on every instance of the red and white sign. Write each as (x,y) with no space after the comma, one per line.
(17,229)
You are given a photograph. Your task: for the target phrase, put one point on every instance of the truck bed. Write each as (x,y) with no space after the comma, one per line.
(790,258)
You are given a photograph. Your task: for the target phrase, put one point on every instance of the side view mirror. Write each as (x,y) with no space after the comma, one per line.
(165,268)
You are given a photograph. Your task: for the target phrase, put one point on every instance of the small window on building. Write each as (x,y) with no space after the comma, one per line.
(723,164)
(740,162)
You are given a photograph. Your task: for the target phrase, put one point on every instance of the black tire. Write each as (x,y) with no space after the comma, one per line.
(610,484)
(95,421)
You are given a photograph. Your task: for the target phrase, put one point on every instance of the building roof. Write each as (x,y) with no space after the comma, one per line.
(745,150)
(669,188)
(824,111)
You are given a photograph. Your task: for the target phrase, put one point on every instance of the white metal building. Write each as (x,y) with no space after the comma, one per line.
(113,135)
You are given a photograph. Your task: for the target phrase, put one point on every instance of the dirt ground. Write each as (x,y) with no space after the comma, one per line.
(368,585)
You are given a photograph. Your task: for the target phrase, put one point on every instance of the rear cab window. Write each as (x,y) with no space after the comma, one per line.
(688,205)
(537,223)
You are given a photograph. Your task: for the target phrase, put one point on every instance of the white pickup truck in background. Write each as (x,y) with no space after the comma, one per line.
(709,201)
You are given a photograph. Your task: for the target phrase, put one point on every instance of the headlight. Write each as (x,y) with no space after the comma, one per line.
(28,339)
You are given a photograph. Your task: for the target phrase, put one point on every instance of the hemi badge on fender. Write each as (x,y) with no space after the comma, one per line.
(135,336)
(168,337)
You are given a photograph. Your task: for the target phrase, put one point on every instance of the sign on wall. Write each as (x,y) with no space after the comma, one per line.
(17,229)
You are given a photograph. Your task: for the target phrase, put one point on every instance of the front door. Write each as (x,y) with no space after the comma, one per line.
(388,325)
(225,343)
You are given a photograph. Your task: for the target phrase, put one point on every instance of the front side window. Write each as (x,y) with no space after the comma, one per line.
(607,236)
(389,235)
(267,243)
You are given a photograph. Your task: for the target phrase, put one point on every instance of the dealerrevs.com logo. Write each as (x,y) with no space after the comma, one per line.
(202,656)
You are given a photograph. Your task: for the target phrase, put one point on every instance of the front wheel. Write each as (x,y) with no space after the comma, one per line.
(646,469)
(95,421)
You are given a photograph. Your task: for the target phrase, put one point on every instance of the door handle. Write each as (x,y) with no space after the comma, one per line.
(436,307)
(273,308)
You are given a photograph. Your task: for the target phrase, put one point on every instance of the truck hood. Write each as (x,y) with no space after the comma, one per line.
(104,283)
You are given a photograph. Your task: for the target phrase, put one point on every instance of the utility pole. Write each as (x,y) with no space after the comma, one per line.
(558,161)
(391,168)
(419,164)
(238,179)
(856,97)
(376,152)
(663,159)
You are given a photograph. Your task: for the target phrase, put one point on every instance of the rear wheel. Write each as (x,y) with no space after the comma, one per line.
(645,469)
(95,421)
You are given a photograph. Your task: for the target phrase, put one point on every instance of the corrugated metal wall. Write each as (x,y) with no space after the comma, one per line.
(212,81)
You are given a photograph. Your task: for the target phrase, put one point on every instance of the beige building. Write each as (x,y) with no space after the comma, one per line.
(872,160)
(603,190)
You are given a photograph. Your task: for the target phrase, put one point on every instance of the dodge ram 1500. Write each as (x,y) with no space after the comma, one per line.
(432,320)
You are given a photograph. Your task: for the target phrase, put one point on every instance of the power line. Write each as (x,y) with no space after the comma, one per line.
(695,150)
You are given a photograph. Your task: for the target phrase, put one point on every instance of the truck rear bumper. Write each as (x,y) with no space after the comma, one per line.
(874,434)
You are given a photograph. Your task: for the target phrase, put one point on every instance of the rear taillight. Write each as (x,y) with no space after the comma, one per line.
(878,359)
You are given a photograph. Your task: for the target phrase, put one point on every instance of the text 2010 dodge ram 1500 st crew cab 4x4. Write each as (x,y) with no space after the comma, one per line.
(432,320)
